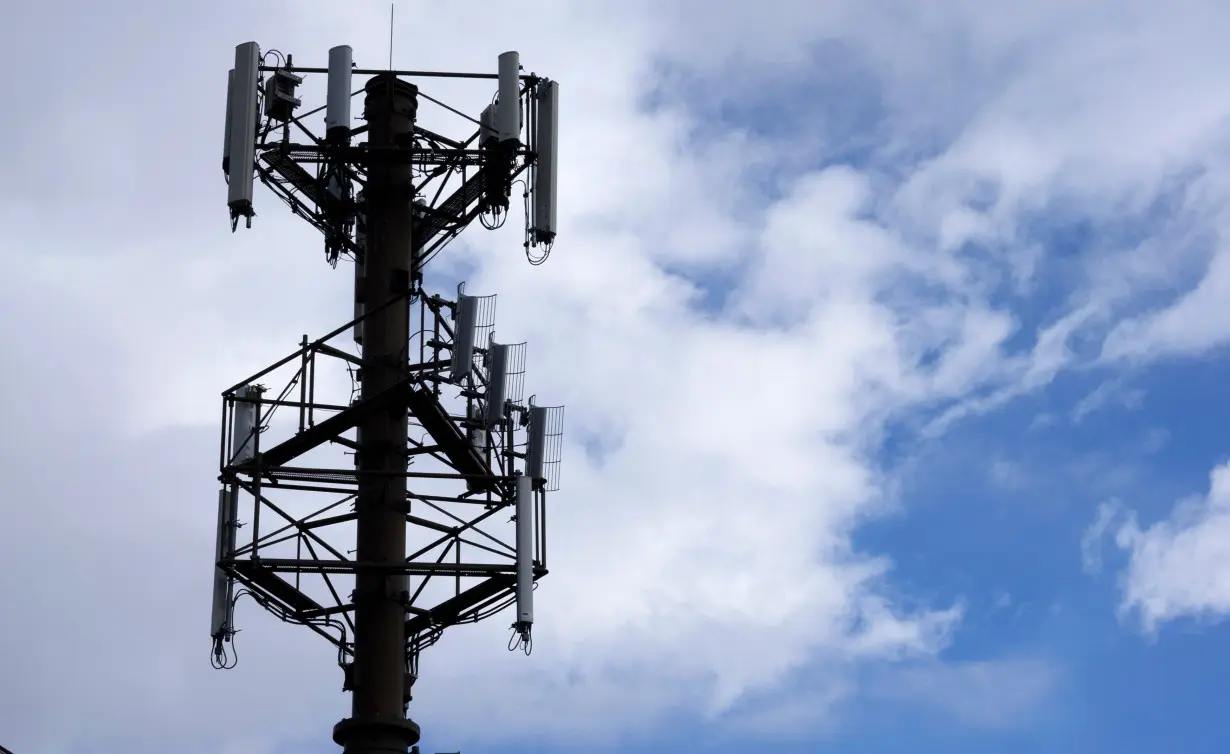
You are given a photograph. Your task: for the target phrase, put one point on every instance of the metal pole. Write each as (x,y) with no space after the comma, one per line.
(378,720)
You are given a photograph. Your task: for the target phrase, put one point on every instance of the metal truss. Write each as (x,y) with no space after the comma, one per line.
(296,509)
(463,179)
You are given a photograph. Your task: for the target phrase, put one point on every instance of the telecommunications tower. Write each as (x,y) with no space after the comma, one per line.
(382,492)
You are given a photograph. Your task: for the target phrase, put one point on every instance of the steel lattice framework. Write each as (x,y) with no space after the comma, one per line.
(267,463)
(308,458)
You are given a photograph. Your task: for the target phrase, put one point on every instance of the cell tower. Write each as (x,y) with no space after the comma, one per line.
(382,496)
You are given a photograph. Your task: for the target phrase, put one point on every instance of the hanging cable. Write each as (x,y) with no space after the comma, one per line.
(546,245)
(521,639)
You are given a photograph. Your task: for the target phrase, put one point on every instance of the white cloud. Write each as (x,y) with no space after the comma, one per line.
(1094,538)
(987,695)
(1179,566)
(1105,395)
(1195,323)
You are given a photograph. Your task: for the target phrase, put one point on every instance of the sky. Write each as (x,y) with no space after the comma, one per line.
(889,335)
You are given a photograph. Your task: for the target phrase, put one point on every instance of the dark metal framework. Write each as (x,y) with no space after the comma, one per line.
(290,499)
(461,551)
(463,179)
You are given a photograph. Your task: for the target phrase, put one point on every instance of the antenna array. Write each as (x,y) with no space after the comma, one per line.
(368,496)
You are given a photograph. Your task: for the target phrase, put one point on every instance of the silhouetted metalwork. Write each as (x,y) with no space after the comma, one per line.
(420,449)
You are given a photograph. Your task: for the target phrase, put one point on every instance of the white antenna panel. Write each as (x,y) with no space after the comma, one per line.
(226,141)
(508,114)
(243,124)
(544,446)
(525,551)
(536,444)
(546,166)
(337,104)
(463,337)
(497,376)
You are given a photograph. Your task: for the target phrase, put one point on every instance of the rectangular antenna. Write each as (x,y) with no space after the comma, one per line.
(525,551)
(243,124)
(220,621)
(497,374)
(226,142)
(546,166)
(544,446)
(508,114)
(337,103)
(536,443)
(244,425)
(463,337)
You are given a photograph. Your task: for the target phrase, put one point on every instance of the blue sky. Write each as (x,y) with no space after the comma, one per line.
(892,338)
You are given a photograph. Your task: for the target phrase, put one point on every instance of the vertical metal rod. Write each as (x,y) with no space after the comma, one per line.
(256,503)
(257,477)
(435,344)
(226,429)
(537,527)
(378,720)
(310,376)
(542,525)
(303,385)
(422,327)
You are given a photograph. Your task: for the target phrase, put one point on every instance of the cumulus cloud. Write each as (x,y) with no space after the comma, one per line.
(1178,566)
(706,554)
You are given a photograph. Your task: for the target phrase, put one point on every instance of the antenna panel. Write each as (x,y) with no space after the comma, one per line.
(244,426)
(484,326)
(544,447)
(226,141)
(463,337)
(497,374)
(514,375)
(536,443)
(220,621)
(337,104)
(546,133)
(525,551)
(508,114)
(243,125)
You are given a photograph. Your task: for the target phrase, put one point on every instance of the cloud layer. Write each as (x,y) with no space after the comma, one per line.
(737,310)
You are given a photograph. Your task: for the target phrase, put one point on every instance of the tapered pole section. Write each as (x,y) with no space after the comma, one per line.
(378,721)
